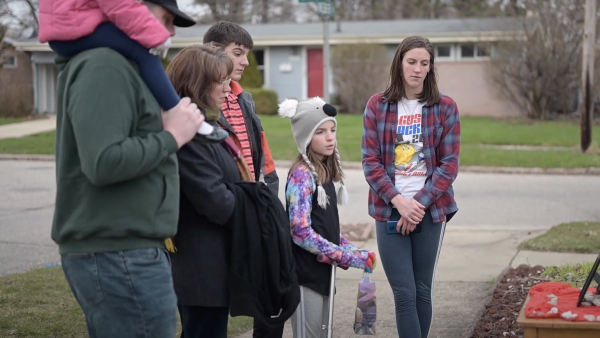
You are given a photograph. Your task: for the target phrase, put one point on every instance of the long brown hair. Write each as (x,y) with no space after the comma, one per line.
(330,168)
(196,70)
(395,90)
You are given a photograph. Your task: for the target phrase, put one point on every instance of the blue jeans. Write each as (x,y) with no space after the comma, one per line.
(409,264)
(150,67)
(124,293)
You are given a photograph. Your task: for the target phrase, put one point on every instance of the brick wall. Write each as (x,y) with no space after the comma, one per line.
(16,86)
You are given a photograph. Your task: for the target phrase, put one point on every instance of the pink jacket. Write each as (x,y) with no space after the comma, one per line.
(66,20)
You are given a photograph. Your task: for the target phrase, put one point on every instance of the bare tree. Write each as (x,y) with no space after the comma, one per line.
(539,70)
(359,71)
(226,10)
(253,11)
(3,46)
(272,11)
(476,8)
(18,15)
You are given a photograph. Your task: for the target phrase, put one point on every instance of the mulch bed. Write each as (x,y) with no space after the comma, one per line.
(499,318)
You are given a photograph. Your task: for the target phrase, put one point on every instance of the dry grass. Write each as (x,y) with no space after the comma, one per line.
(39,303)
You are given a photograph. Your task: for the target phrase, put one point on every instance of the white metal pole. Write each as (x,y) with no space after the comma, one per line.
(331,303)
(326,58)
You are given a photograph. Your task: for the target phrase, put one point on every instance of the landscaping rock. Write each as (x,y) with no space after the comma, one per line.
(499,318)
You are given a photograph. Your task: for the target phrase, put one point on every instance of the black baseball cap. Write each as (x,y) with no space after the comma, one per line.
(181,19)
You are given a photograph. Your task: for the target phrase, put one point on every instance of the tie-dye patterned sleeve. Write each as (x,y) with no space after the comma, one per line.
(346,244)
(300,187)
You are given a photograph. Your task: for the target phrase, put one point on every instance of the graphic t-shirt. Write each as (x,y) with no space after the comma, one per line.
(411,171)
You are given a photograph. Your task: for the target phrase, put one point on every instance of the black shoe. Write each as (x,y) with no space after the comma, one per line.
(217,136)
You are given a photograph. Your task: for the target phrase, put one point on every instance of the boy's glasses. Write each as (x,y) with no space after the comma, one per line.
(225,82)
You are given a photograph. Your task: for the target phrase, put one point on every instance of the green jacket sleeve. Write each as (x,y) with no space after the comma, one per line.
(103,108)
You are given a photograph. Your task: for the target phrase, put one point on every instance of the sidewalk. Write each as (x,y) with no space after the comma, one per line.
(470,262)
(28,127)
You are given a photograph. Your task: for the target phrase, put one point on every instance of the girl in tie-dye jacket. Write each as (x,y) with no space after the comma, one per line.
(312,198)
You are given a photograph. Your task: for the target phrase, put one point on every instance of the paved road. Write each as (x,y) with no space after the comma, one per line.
(501,201)
(26,209)
(487,201)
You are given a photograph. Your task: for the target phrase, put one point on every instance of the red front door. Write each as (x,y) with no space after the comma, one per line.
(315,72)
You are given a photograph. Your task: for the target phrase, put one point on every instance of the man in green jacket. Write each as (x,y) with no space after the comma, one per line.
(118,189)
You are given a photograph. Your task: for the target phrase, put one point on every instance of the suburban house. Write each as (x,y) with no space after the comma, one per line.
(290,56)
(16,81)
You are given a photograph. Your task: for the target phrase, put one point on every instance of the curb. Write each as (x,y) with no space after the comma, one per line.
(26,157)
(593,171)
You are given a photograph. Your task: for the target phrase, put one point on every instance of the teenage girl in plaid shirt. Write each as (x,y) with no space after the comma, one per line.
(410,151)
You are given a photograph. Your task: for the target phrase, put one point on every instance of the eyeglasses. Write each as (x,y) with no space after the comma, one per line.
(225,82)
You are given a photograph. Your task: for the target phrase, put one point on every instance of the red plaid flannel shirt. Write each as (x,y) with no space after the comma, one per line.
(440,128)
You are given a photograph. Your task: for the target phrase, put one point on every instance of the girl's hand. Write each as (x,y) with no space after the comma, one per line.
(409,209)
(371,262)
(405,227)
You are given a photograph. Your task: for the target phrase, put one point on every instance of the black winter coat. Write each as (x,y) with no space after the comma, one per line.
(262,279)
(203,240)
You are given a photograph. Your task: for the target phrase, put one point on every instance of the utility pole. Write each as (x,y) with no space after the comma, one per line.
(587,74)
(326,58)
(326,10)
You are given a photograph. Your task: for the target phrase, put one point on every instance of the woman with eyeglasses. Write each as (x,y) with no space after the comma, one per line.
(201,245)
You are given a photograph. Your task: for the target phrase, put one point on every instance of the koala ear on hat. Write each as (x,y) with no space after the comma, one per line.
(287,108)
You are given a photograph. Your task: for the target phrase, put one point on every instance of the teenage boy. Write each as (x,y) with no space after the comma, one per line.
(239,116)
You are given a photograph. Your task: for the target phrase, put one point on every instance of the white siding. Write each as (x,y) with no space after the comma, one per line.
(47,75)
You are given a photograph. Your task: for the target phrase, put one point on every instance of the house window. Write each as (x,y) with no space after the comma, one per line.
(474,52)
(483,51)
(9,61)
(443,52)
(260,60)
(467,51)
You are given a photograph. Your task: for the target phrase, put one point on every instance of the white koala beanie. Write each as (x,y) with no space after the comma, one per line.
(306,116)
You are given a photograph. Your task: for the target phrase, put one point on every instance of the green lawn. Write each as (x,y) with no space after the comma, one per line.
(282,144)
(480,136)
(39,303)
(476,155)
(35,144)
(476,130)
(581,237)
(8,120)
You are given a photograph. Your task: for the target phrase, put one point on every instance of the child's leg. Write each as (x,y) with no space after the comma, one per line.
(151,69)
(310,315)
